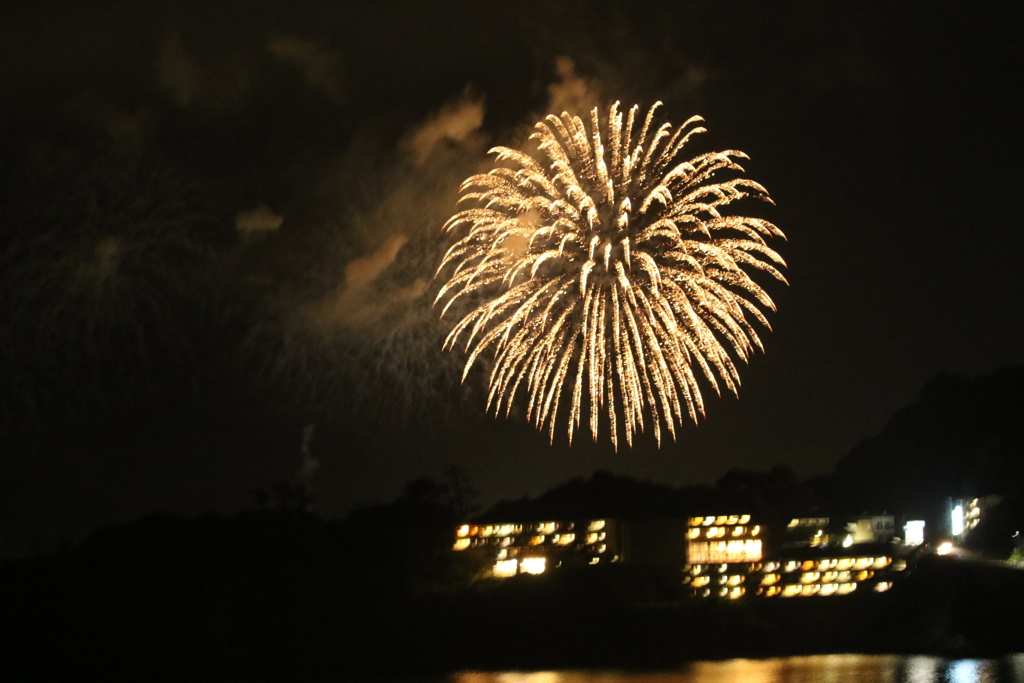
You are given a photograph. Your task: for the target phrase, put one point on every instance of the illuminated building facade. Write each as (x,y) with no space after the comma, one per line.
(722,552)
(727,559)
(536,547)
(724,556)
(723,539)
(831,572)
(965,514)
(810,532)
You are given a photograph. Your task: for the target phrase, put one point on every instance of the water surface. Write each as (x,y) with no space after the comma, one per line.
(816,669)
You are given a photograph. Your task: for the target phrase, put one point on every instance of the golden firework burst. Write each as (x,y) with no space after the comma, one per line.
(609,279)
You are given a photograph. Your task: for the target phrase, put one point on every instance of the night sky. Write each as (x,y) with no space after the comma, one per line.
(221,225)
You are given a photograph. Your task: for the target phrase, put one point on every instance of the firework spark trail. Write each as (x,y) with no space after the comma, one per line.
(609,271)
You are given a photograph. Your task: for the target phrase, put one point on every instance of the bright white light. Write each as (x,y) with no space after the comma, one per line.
(957,521)
(914,532)
(848,541)
(504,568)
(944,548)
(533,565)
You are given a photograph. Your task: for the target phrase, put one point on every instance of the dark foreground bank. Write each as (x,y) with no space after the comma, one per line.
(270,598)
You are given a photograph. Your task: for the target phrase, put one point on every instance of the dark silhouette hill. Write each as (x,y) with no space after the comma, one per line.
(963,438)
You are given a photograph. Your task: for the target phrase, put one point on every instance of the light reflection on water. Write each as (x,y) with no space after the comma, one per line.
(816,669)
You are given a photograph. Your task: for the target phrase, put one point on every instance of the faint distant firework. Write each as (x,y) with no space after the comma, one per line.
(608,279)
(103,280)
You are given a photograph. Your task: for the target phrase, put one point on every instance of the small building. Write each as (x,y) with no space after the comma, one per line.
(722,552)
(872,529)
(534,547)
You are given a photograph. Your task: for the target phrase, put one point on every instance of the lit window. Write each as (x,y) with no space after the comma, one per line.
(733,519)
(864,575)
(881,562)
(769,579)
(596,525)
(591,538)
(463,531)
(536,540)
(461,544)
(708,521)
(755,530)
(547,527)
(595,560)
(601,548)
(863,562)
(845,563)
(829,588)
(810,589)
(792,566)
(566,539)
(692,533)
(744,519)
(736,592)
(721,520)
(793,523)
(883,586)
(791,590)
(738,531)
(809,577)
(700,581)
(555,538)
(847,588)
(696,521)
(487,531)
(505,568)
(533,565)
(735,580)
(505,530)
